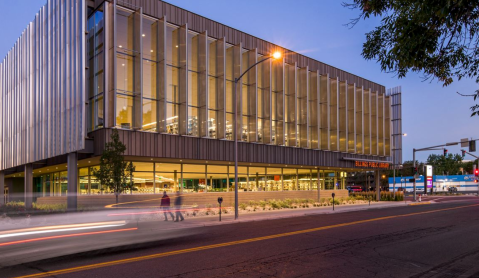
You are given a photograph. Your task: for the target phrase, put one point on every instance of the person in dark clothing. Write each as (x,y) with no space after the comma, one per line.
(178,202)
(165,206)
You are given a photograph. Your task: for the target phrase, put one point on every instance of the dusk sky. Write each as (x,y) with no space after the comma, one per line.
(432,115)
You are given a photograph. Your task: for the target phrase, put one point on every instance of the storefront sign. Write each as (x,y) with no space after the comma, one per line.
(277,178)
(367,164)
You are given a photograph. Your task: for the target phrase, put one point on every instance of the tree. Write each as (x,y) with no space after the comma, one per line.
(445,165)
(436,37)
(115,173)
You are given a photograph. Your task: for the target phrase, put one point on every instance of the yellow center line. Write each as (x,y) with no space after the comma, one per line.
(207,247)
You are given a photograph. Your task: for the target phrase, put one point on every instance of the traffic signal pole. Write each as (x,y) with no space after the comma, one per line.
(414,167)
(438,147)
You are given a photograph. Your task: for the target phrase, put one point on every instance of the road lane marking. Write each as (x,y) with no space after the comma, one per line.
(231,243)
(420,203)
(63,236)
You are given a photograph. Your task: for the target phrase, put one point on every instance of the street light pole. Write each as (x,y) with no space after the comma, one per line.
(276,55)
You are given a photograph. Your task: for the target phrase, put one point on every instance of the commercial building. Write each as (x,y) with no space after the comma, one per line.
(440,184)
(164,77)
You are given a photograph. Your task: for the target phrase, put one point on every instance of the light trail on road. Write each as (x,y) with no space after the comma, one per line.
(60,228)
(64,236)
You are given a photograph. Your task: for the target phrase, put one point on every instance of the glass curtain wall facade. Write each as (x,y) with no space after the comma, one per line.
(156,177)
(172,80)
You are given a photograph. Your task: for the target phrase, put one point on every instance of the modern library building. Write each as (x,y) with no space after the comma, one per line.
(165,78)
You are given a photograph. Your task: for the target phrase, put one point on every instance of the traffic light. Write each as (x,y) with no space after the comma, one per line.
(463,153)
(445,152)
(415,170)
(476,172)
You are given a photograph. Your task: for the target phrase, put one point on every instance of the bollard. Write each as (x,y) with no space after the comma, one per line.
(333,199)
(220,200)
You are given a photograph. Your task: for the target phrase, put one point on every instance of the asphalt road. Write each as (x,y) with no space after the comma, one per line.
(435,240)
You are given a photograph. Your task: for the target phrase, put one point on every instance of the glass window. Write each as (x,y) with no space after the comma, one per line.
(257,179)
(193,121)
(229,96)
(192,88)
(242,181)
(84,181)
(149,114)
(173,89)
(290,179)
(150,39)
(212,119)
(172,45)
(212,98)
(304,179)
(168,182)
(143,183)
(194,168)
(273,179)
(194,182)
(124,29)
(149,79)
(329,180)
(217,178)
(95,52)
(241,169)
(172,118)
(95,187)
(124,111)
(124,72)
(63,186)
(167,167)
(143,166)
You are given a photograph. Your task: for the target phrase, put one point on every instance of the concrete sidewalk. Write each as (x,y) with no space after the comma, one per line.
(147,222)
(144,229)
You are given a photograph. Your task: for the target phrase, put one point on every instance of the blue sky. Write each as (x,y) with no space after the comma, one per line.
(432,115)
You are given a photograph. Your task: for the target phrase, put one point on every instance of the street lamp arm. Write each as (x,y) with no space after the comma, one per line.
(259,62)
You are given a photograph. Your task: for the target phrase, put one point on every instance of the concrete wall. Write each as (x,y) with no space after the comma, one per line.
(189,199)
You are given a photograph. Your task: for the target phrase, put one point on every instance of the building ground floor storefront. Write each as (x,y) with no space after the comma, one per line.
(154,177)
(202,180)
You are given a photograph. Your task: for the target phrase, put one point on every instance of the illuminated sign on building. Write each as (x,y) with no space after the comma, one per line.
(428,179)
(368,164)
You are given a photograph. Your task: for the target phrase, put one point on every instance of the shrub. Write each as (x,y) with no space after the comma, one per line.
(243,206)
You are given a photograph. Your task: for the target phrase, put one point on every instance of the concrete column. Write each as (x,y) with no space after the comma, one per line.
(378,187)
(282,180)
(319,184)
(2,188)
(28,186)
(72,177)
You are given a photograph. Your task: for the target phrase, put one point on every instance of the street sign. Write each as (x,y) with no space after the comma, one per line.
(472,146)
(464,143)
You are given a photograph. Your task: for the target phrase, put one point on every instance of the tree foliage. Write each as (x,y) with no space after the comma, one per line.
(114,172)
(452,164)
(436,37)
(445,165)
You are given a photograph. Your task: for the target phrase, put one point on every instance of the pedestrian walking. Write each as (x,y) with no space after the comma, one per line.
(165,206)
(178,202)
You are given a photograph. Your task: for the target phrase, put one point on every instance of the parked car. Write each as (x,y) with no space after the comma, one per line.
(355,188)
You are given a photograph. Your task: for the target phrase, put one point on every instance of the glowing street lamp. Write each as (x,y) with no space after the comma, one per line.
(276,55)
